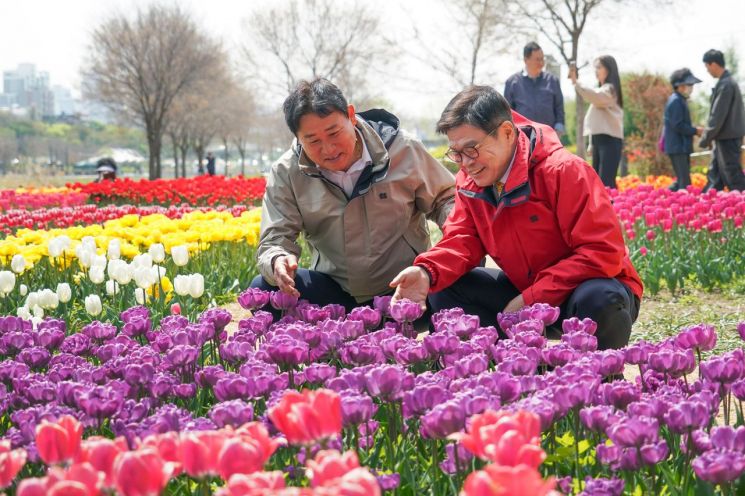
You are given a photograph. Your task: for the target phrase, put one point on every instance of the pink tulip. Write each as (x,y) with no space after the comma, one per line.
(309,416)
(11,462)
(330,465)
(59,442)
(201,452)
(141,473)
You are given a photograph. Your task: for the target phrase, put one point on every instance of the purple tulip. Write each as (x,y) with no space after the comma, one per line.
(406,310)
(587,326)
(741,330)
(253,298)
(441,343)
(558,355)
(702,337)
(234,413)
(36,357)
(383,305)
(598,418)
(219,318)
(388,382)
(370,317)
(282,301)
(687,416)
(411,354)
(728,438)
(231,387)
(672,362)
(633,432)
(423,398)
(722,369)
(286,351)
(443,420)
(719,466)
(453,462)
(619,394)
(602,487)
(580,341)
(356,408)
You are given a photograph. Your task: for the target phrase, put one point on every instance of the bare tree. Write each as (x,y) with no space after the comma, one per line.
(476,30)
(235,121)
(138,66)
(298,39)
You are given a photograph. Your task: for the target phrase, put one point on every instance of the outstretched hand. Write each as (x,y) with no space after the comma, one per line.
(411,283)
(285,267)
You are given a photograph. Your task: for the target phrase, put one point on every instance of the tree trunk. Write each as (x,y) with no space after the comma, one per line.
(225,144)
(175,157)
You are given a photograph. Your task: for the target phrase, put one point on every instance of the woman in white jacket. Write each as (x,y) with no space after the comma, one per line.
(604,118)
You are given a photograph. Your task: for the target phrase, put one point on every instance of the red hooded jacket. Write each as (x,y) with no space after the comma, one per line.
(552,228)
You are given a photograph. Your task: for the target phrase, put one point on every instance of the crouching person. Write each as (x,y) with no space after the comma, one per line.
(540,212)
(358,188)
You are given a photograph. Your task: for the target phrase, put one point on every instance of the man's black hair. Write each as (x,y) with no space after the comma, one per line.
(479,106)
(319,96)
(714,56)
(530,48)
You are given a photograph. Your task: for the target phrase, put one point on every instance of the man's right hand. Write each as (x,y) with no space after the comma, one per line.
(412,283)
(285,267)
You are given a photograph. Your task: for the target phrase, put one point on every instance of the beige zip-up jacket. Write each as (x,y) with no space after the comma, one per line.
(364,241)
(604,116)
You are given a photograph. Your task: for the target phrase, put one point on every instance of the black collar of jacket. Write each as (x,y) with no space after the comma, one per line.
(379,128)
(517,189)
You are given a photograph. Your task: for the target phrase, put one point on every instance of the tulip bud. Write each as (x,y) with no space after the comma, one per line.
(114,251)
(157,252)
(196,285)
(181,285)
(7,282)
(18,263)
(64,293)
(23,313)
(93,304)
(55,248)
(23,289)
(140,296)
(180,255)
(96,275)
(32,299)
(85,256)
(112,287)
(175,309)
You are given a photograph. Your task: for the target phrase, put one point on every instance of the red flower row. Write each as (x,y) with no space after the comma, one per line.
(33,199)
(196,191)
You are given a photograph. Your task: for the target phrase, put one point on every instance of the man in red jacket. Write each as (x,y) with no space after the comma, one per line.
(540,212)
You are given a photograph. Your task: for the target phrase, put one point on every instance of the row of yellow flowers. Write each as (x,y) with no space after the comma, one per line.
(196,230)
(631,181)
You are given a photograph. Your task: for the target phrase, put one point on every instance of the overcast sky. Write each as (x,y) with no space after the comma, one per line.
(54,34)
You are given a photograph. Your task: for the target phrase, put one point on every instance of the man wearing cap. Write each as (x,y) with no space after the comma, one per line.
(678,131)
(725,128)
(106,168)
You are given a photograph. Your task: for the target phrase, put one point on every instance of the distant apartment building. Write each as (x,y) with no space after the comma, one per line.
(28,90)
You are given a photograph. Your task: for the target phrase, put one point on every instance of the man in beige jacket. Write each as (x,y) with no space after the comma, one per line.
(358,188)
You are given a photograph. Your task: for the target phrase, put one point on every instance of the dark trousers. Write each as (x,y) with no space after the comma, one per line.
(485,292)
(682,167)
(606,155)
(725,168)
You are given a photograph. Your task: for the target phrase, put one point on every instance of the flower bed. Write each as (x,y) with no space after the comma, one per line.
(195,191)
(191,407)
(34,199)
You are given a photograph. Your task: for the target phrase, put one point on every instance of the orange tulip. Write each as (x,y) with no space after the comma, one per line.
(308,416)
(59,442)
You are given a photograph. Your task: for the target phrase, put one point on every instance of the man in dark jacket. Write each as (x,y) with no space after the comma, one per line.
(725,128)
(540,212)
(679,131)
(535,93)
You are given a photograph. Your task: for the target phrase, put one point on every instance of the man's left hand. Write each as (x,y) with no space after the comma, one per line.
(516,304)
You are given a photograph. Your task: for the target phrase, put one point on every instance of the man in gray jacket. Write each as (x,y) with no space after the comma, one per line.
(725,128)
(358,188)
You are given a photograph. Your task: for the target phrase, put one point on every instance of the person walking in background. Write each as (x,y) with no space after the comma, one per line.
(678,131)
(106,169)
(536,94)
(725,128)
(604,118)
(210,164)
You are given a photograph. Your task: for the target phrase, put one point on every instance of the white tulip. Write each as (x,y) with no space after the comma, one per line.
(32,299)
(98,261)
(140,296)
(64,293)
(143,277)
(89,242)
(159,272)
(180,255)
(55,247)
(93,304)
(157,252)
(35,321)
(143,260)
(114,250)
(112,287)
(7,282)
(196,285)
(96,275)
(124,274)
(23,313)
(18,263)
(48,299)
(113,267)
(181,285)
(85,255)
(38,312)
(64,241)
(23,289)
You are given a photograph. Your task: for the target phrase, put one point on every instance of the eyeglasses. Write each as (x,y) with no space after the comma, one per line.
(471,152)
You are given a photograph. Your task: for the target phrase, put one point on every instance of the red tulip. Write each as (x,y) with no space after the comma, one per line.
(257,484)
(507,438)
(59,442)
(101,454)
(308,416)
(141,473)
(201,452)
(256,431)
(168,446)
(496,480)
(11,462)
(330,465)
(240,457)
